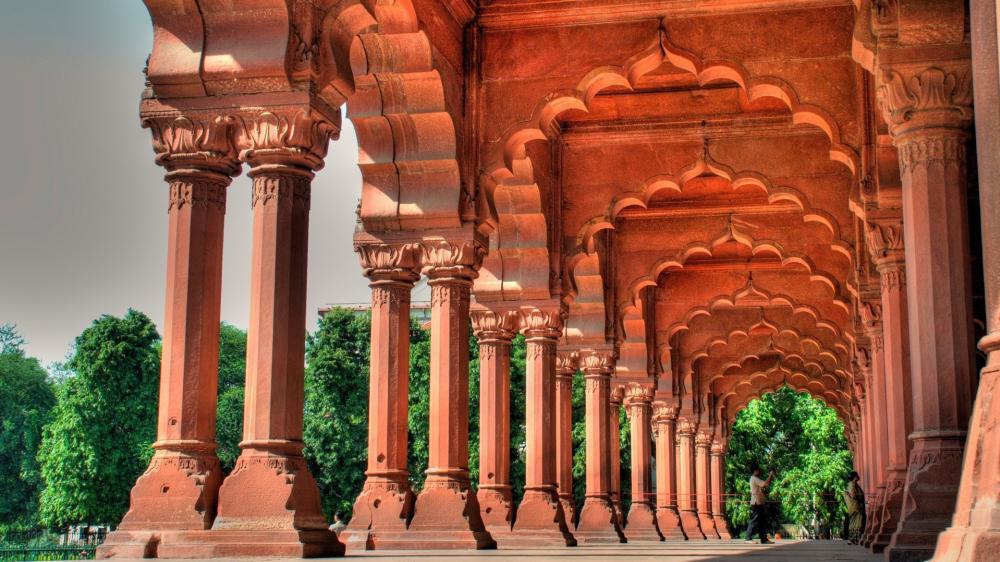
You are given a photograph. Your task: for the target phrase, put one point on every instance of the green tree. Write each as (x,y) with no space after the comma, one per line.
(802,440)
(232,377)
(26,397)
(98,440)
(336,406)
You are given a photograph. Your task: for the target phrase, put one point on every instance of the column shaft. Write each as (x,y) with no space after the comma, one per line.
(565,370)
(447,513)
(642,515)
(385,505)
(540,518)
(703,491)
(686,480)
(180,488)
(614,436)
(718,482)
(667,519)
(494,332)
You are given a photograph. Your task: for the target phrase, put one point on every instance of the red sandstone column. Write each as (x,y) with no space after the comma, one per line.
(180,488)
(703,493)
(871,314)
(686,480)
(928,108)
(540,519)
(565,369)
(494,331)
(614,434)
(270,503)
(641,515)
(885,242)
(718,479)
(385,505)
(974,534)
(598,520)
(668,521)
(446,514)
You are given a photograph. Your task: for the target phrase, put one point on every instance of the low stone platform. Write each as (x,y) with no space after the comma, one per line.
(674,551)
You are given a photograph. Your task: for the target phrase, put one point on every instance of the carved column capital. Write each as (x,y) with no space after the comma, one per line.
(664,413)
(292,138)
(686,426)
(918,96)
(871,316)
(617,394)
(718,447)
(389,262)
(637,394)
(863,357)
(200,144)
(566,363)
(703,438)
(452,258)
(544,322)
(494,325)
(885,243)
(596,362)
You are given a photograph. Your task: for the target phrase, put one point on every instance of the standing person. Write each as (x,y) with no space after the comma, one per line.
(758,506)
(854,499)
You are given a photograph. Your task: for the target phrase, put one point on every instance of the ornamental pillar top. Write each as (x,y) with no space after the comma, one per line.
(638,394)
(493,325)
(389,262)
(566,363)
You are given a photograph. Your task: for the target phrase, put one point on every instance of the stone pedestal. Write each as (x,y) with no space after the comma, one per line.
(447,513)
(385,505)
(540,519)
(180,488)
(668,520)
(642,513)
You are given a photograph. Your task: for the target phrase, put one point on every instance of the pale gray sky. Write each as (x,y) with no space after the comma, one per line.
(83,207)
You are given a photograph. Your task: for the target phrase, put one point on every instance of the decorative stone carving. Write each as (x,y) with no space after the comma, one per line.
(885,241)
(293,137)
(638,394)
(566,363)
(593,362)
(200,141)
(446,258)
(913,97)
(389,260)
(542,322)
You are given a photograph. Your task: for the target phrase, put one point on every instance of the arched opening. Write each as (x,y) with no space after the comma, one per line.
(803,441)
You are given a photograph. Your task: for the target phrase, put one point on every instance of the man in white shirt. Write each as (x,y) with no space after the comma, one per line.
(758,506)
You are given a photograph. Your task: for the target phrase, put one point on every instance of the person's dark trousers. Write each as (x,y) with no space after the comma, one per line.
(758,522)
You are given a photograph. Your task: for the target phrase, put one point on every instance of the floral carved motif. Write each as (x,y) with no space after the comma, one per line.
(292,136)
(195,193)
(638,395)
(566,363)
(201,142)
(597,361)
(393,261)
(941,150)
(885,241)
(444,258)
(942,95)
(542,323)
(490,325)
(663,413)
(273,188)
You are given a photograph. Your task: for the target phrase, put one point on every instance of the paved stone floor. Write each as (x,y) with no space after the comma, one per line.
(672,551)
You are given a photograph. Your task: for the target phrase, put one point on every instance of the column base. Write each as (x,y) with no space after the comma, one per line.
(446,516)
(256,543)
(874,518)
(668,521)
(642,523)
(496,508)
(540,520)
(270,490)
(129,544)
(692,525)
(178,491)
(598,523)
(569,509)
(383,508)
(929,497)
(722,527)
(892,508)
(968,544)
(707,522)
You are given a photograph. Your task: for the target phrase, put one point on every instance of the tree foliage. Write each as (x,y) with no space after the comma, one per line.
(232,377)
(802,440)
(98,440)
(26,397)
(336,406)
